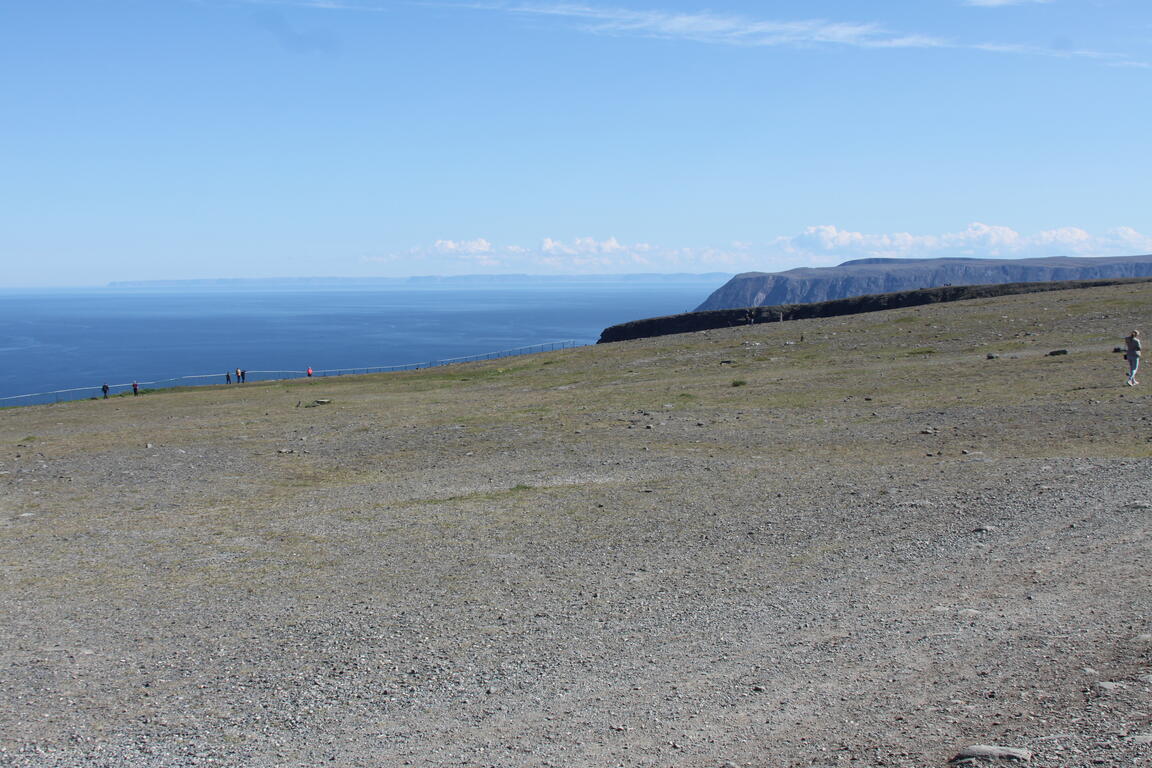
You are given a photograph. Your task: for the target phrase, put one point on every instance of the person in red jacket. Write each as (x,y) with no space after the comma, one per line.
(309,371)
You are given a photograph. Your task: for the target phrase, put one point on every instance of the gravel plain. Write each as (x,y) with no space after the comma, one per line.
(865,541)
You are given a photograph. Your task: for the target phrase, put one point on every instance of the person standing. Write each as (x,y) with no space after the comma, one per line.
(309,371)
(227,377)
(237,375)
(135,388)
(243,375)
(104,389)
(1132,355)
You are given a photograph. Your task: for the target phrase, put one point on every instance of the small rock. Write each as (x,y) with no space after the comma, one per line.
(991,752)
(984,529)
(1142,738)
(149,445)
(1105,686)
(1056,352)
(285,450)
(993,356)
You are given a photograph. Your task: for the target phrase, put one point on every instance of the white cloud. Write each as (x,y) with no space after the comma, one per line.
(323,5)
(998,3)
(469,247)
(737,30)
(583,246)
(477,253)
(815,246)
(827,243)
(734,29)
(726,29)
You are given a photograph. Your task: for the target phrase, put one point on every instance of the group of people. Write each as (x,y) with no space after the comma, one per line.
(1132,349)
(241,375)
(135,389)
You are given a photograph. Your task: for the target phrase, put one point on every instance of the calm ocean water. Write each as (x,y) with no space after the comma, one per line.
(83,338)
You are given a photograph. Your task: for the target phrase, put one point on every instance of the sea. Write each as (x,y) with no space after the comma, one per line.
(64,344)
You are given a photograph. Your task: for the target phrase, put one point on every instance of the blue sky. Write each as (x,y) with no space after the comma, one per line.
(160,139)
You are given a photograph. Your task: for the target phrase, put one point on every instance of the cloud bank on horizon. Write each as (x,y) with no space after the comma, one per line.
(815,246)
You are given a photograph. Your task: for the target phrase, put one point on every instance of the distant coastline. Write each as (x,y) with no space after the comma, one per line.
(454,281)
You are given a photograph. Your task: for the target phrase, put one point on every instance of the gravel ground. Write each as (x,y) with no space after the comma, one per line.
(865,554)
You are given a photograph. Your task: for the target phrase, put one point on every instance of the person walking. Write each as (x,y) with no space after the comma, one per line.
(1132,355)
(104,389)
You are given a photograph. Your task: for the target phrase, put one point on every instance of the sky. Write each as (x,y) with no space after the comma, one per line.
(181,139)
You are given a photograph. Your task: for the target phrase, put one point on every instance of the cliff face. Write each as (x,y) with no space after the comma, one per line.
(873,276)
(703,320)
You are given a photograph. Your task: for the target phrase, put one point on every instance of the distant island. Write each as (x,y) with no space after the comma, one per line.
(862,277)
(301,283)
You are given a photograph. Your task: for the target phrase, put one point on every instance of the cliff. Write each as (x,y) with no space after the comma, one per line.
(689,322)
(872,276)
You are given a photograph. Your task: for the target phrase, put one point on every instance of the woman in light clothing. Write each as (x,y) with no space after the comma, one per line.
(1132,355)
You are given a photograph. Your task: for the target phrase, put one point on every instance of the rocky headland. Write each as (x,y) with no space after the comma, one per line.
(807,285)
(689,322)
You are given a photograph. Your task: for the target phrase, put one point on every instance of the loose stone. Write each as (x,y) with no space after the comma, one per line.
(991,752)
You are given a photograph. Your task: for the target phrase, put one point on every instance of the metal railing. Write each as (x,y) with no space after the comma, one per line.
(96,392)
